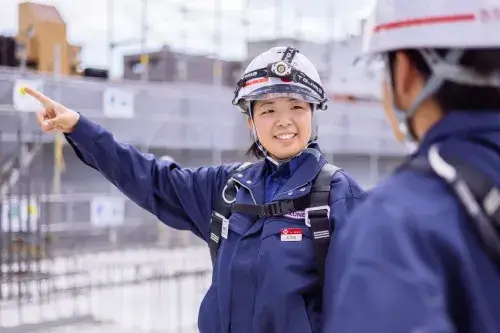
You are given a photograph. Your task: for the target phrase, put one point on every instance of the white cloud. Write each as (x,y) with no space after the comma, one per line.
(89,23)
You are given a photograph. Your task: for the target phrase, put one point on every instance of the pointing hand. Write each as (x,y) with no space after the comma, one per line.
(54,116)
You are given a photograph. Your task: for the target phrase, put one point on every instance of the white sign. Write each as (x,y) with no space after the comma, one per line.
(106,211)
(20,214)
(24,102)
(118,103)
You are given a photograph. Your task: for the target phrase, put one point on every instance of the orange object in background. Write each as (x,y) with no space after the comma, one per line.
(41,35)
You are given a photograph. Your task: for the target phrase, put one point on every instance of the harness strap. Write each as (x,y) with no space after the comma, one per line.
(317,216)
(220,216)
(316,209)
(277,208)
(289,54)
(478,194)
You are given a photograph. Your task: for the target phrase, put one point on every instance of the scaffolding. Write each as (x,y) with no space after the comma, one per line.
(60,268)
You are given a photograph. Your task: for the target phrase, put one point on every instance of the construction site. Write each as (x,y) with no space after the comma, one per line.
(77,255)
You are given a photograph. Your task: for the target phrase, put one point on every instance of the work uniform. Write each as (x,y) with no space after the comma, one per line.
(408,259)
(260,283)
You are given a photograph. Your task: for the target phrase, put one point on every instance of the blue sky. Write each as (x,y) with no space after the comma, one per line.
(319,20)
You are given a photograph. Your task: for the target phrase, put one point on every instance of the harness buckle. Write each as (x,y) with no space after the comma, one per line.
(315,209)
(217,217)
(272,209)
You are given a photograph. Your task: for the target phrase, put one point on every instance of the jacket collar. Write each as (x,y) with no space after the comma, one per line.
(302,170)
(462,124)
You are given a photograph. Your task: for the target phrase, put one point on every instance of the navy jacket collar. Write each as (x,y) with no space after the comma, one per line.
(303,170)
(463,124)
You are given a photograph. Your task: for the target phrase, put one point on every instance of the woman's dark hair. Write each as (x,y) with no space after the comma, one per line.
(453,96)
(254,151)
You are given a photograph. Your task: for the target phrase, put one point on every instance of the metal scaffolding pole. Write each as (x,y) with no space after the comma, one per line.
(144,33)
(217,70)
(110,31)
(329,41)
(245,22)
(181,59)
(217,73)
(142,40)
(277,18)
(58,140)
(298,23)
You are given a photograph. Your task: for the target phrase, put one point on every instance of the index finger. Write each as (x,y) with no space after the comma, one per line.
(39,96)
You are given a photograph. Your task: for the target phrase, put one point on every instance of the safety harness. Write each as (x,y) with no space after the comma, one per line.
(478,194)
(316,207)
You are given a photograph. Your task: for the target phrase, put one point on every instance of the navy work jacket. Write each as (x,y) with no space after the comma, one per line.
(407,259)
(260,283)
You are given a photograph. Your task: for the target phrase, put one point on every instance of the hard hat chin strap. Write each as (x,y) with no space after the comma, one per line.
(314,124)
(259,145)
(432,85)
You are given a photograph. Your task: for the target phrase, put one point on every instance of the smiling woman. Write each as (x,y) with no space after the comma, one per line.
(268,224)
(280,92)
(283,126)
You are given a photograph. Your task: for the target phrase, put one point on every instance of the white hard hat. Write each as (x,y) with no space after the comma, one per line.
(280,72)
(453,25)
(448,24)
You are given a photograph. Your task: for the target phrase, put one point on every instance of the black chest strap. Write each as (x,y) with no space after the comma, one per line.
(316,209)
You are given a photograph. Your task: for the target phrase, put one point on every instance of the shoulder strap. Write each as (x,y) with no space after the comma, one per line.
(478,194)
(222,211)
(316,208)
(320,187)
(317,216)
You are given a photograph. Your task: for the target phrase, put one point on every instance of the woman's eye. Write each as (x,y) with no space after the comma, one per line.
(267,111)
(298,107)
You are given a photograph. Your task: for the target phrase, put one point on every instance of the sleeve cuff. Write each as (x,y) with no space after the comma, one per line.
(85,132)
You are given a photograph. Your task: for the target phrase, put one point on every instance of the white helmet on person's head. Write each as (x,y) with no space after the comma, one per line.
(406,24)
(280,72)
(456,25)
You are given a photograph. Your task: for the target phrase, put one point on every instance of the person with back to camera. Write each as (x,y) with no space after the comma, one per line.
(268,224)
(422,252)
